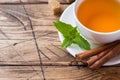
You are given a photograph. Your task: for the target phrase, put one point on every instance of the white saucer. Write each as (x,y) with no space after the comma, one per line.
(67,17)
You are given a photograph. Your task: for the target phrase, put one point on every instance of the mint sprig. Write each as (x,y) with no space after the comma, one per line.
(71,35)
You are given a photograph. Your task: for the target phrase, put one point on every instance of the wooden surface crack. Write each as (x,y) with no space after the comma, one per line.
(16,19)
(34,37)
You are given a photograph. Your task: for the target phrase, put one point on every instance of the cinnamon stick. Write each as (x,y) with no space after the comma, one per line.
(95,51)
(70,1)
(93,59)
(114,52)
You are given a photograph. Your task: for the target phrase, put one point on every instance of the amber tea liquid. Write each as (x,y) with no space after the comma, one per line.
(100,15)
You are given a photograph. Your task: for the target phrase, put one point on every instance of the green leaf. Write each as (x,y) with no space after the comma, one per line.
(71,35)
(81,42)
(66,43)
(63,28)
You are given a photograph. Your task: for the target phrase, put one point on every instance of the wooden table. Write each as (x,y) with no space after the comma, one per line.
(30,47)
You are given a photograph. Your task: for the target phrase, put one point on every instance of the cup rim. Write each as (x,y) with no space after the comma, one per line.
(105,33)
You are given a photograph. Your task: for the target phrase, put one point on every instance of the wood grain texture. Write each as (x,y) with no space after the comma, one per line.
(31,50)
(28,1)
(16,37)
(56,73)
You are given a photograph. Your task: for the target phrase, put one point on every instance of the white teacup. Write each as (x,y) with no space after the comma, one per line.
(94,36)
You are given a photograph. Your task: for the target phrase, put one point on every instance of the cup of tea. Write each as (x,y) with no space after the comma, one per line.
(98,20)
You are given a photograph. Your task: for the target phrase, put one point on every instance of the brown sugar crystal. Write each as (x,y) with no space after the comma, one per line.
(55,6)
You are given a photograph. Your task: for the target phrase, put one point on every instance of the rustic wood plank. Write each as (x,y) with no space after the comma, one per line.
(16,39)
(15,15)
(27,1)
(20,46)
(57,73)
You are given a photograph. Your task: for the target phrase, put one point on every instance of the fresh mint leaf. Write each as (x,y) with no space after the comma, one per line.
(66,43)
(63,28)
(71,35)
(81,42)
